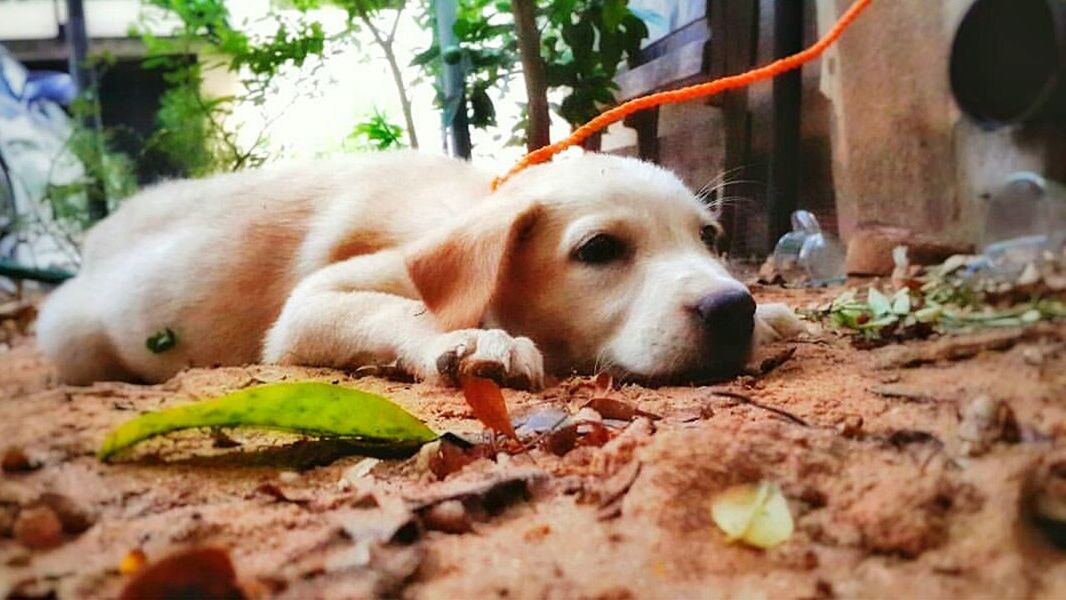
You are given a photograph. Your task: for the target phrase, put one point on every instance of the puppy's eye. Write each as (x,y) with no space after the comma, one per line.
(709,234)
(600,249)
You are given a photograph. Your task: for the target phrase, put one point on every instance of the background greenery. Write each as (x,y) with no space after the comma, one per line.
(581,45)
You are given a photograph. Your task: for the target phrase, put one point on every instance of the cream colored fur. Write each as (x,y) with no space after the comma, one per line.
(398,257)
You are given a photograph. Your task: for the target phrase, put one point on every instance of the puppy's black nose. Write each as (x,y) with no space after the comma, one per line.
(728,317)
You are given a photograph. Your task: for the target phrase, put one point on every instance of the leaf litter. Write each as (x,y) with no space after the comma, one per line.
(956,296)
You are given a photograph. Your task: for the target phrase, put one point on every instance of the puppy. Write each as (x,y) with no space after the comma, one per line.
(583,264)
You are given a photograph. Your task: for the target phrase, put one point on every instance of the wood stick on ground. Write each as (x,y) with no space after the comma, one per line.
(750,402)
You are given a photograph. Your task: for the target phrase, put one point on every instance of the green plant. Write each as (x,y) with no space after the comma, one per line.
(582,46)
(365,12)
(108,175)
(376,133)
(192,132)
(582,43)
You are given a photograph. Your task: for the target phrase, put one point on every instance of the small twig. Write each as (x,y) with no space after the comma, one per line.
(889,391)
(746,400)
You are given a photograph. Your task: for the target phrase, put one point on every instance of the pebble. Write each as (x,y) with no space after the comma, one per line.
(449,516)
(38,528)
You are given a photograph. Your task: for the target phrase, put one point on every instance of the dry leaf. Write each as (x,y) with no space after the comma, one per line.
(203,573)
(754,513)
(486,400)
(604,383)
(452,453)
(584,433)
(609,408)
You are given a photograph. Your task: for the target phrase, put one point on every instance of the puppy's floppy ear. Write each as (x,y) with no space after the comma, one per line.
(457,270)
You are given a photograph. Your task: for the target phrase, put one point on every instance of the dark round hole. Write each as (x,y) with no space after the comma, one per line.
(1007,59)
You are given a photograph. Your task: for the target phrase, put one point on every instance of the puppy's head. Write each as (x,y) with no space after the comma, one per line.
(605,262)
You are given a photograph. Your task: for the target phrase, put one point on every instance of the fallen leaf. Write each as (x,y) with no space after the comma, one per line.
(609,408)
(486,400)
(453,453)
(584,433)
(202,573)
(309,408)
(879,303)
(754,513)
(604,383)
(540,420)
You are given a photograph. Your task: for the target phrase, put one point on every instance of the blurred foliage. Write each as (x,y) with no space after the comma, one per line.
(376,133)
(192,133)
(109,176)
(583,42)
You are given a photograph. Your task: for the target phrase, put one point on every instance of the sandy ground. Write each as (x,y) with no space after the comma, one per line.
(900,482)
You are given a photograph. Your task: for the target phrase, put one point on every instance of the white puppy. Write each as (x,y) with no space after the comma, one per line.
(594,262)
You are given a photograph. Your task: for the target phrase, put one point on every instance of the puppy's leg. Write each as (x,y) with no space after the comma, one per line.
(362,312)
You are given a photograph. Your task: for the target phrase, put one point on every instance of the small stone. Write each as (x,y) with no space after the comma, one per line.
(1033,356)
(850,426)
(288,477)
(984,422)
(15,460)
(38,528)
(449,516)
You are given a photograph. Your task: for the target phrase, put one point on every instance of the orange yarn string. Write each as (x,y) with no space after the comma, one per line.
(700,90)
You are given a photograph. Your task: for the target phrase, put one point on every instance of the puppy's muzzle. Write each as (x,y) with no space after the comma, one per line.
(728,320)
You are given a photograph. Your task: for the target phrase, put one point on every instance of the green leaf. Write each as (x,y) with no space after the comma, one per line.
(308,408)
(879,303)
(901,302)
(161,341)
(880,323)
(613,13)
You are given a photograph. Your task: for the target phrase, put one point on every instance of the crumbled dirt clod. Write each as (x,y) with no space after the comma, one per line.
(15,460)
(449,516)
(38,528)
(984,422)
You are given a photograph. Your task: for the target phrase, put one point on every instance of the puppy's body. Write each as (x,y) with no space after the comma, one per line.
(390,257)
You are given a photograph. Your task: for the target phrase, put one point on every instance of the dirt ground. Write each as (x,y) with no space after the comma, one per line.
(910,471)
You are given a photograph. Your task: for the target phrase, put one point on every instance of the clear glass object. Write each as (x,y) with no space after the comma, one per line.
(807,254)
(1024,220)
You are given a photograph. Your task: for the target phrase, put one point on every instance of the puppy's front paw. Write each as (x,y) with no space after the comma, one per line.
(775,322)
(488,353)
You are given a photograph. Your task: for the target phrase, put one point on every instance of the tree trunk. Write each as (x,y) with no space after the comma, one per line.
(401,89)
(538,129)
(397,75)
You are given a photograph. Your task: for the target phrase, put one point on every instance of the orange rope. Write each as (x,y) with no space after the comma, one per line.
(700,90)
